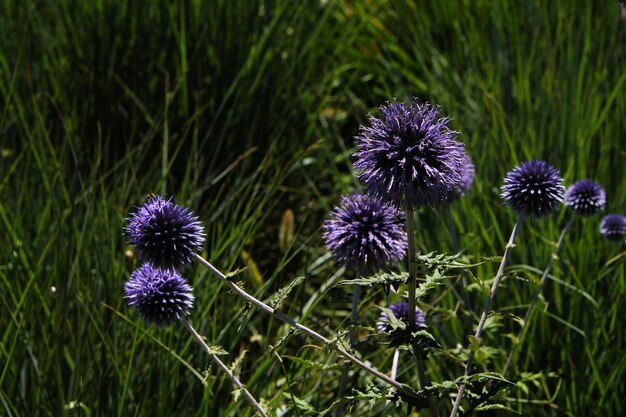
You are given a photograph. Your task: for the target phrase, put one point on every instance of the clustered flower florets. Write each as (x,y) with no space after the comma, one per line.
(160,296)
(410,157)
(533,189)
(365,233)
(400,311)
(165,234)
(613,227)
(585,197)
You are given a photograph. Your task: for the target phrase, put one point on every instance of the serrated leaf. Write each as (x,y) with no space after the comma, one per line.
(382,279)
(234,273)
(300,404)
(314,365)
(441,262)
(282,294)
(485,407)
(218,350)
(474,343)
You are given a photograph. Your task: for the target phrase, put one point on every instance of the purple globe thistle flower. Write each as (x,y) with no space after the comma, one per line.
(160,296)
(410,157)
(365,233)
(613,227)
(165,234)
(400,311)
(585,197)
(534,188)
(467,179)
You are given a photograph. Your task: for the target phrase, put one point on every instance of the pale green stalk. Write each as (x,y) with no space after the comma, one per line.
(224,368)
(286,319)
(529,311)
(483,318)
(412,284)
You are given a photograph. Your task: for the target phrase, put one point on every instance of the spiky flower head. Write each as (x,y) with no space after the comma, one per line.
(365,233)
(165,234)
(160,296)
(400,311)
(410,157)
(533,189)
(585,197)
(467,179)
(613,227)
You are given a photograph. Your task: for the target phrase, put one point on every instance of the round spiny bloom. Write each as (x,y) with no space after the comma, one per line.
(613,227)
(585,197)
(160,296)
(467,179)
(533,188)
(365,233)
(165,234)
(401,312)
(410,157)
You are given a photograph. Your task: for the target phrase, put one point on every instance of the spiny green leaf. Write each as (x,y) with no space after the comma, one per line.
(485,407)
(282,294)
(474,343)
(382,279)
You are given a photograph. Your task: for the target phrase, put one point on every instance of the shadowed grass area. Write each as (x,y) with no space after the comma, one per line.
(241,110)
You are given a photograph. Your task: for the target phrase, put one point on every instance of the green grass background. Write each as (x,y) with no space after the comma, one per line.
(245,109)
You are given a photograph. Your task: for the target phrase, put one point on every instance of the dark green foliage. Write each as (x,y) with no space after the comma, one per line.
(242,109)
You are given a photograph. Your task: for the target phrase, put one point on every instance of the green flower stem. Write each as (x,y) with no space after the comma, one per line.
(286,319)
(394,374)
(224,368)
(483,318)
(529,311)
(356,294)
(412,282)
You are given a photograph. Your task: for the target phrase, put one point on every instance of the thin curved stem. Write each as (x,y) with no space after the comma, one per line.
(542,282)
(483,318)
(224,368)
(286,319)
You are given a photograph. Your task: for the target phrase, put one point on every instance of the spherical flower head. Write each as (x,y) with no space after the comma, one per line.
(160,296)
(468,173)
(533,189)
(410,157)
(613,227)
(400,311)
(165,234)
(585,197)
(365,233)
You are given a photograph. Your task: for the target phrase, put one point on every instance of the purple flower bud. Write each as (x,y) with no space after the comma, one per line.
(164,233)
(613,227)
(401,312)
(365,233)
(160,296)
(533,189)
(585,197)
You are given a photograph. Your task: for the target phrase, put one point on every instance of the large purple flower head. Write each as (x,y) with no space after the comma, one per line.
(533,189)
(160,296)
(165,234)
(410,157)
(401,312)
(585,197)
(613,227)
(365,233)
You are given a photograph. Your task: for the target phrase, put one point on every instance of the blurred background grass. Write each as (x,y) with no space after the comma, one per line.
(243,110)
